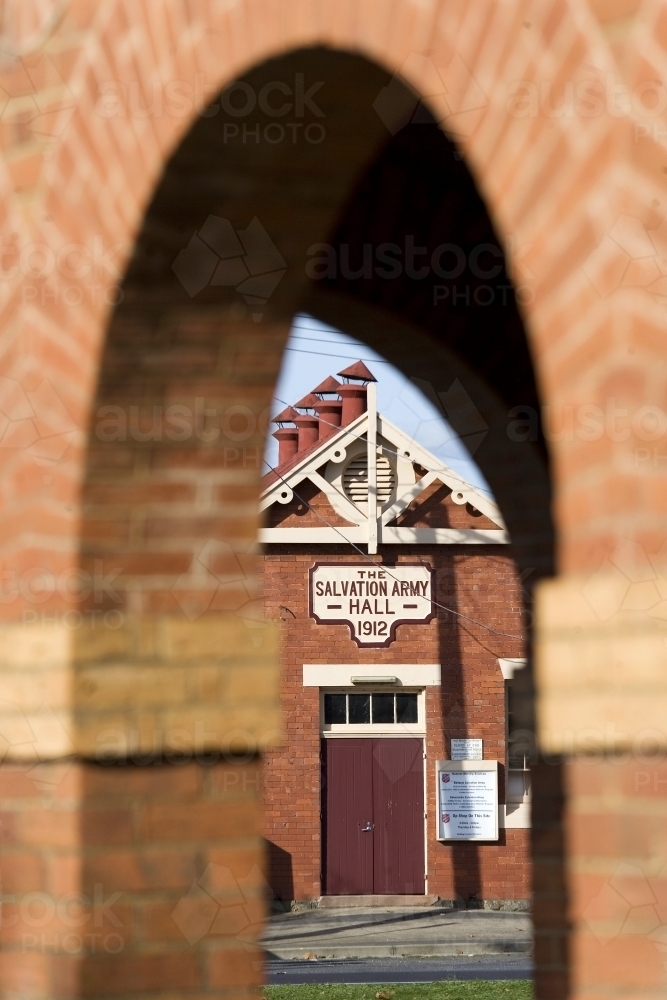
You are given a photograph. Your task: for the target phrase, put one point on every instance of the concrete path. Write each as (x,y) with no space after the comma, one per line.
(396,932)
(397,970)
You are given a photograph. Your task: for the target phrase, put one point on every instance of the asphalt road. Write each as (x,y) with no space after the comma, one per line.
(397,970)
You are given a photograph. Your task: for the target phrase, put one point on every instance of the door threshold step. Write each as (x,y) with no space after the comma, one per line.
(338,902)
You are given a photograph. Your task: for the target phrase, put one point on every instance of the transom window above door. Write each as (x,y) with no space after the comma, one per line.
(371,711)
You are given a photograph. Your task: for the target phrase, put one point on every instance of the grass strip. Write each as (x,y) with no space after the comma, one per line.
(472,989)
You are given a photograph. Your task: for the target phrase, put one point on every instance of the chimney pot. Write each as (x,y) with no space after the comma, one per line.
(288,444)
(354,402)
(308,427)
(330,413)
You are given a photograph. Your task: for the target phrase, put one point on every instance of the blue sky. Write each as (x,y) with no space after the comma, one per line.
(315,351)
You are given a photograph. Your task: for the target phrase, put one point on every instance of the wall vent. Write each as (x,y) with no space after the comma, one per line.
(355,480)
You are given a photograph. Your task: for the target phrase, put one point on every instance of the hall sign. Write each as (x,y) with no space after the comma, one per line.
(372,601)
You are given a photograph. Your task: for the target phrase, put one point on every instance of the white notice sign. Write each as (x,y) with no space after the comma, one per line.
(467,801)
(466,749)
(371,600)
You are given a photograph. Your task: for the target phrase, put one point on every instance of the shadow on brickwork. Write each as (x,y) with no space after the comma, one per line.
(465,860)
(279,872)
(550,903)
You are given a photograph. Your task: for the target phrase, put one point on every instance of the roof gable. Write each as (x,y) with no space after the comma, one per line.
(405,518)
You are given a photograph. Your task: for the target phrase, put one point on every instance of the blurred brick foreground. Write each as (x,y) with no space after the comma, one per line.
(121,644)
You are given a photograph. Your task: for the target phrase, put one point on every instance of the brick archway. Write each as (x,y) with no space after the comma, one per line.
(554,201)
(576,221)
(172,508)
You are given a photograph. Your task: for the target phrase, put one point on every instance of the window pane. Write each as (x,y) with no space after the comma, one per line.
(360,708)
(383,708)
(334,709)
(406,708)
(518,785)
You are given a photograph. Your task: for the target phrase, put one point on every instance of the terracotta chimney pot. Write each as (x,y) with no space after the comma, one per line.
(288,443)
(309,429)
(330,412)
(354,402)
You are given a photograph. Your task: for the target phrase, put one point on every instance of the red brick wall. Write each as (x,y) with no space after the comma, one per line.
(557,187)
(131,879)
(477,581)
(303,510)
(434,508)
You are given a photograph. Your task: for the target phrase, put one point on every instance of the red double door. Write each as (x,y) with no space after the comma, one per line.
(373,816)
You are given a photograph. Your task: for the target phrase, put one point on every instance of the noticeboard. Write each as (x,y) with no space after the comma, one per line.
(467,750)
(467,798)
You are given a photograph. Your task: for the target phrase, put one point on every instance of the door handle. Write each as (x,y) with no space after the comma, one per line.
(368,828)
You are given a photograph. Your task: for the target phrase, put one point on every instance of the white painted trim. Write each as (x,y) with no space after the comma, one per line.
(518,817)
(336,675)
(444,536)
(415,453)
(371,465)
(354,732)
(314,536)
(335,450)
(389,536)
(332,450)
(347,729)
(403,502)
(345,506)
(510,665)
(334,473)
(467,765)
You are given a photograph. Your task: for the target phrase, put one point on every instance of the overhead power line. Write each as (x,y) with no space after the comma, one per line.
(393,451)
